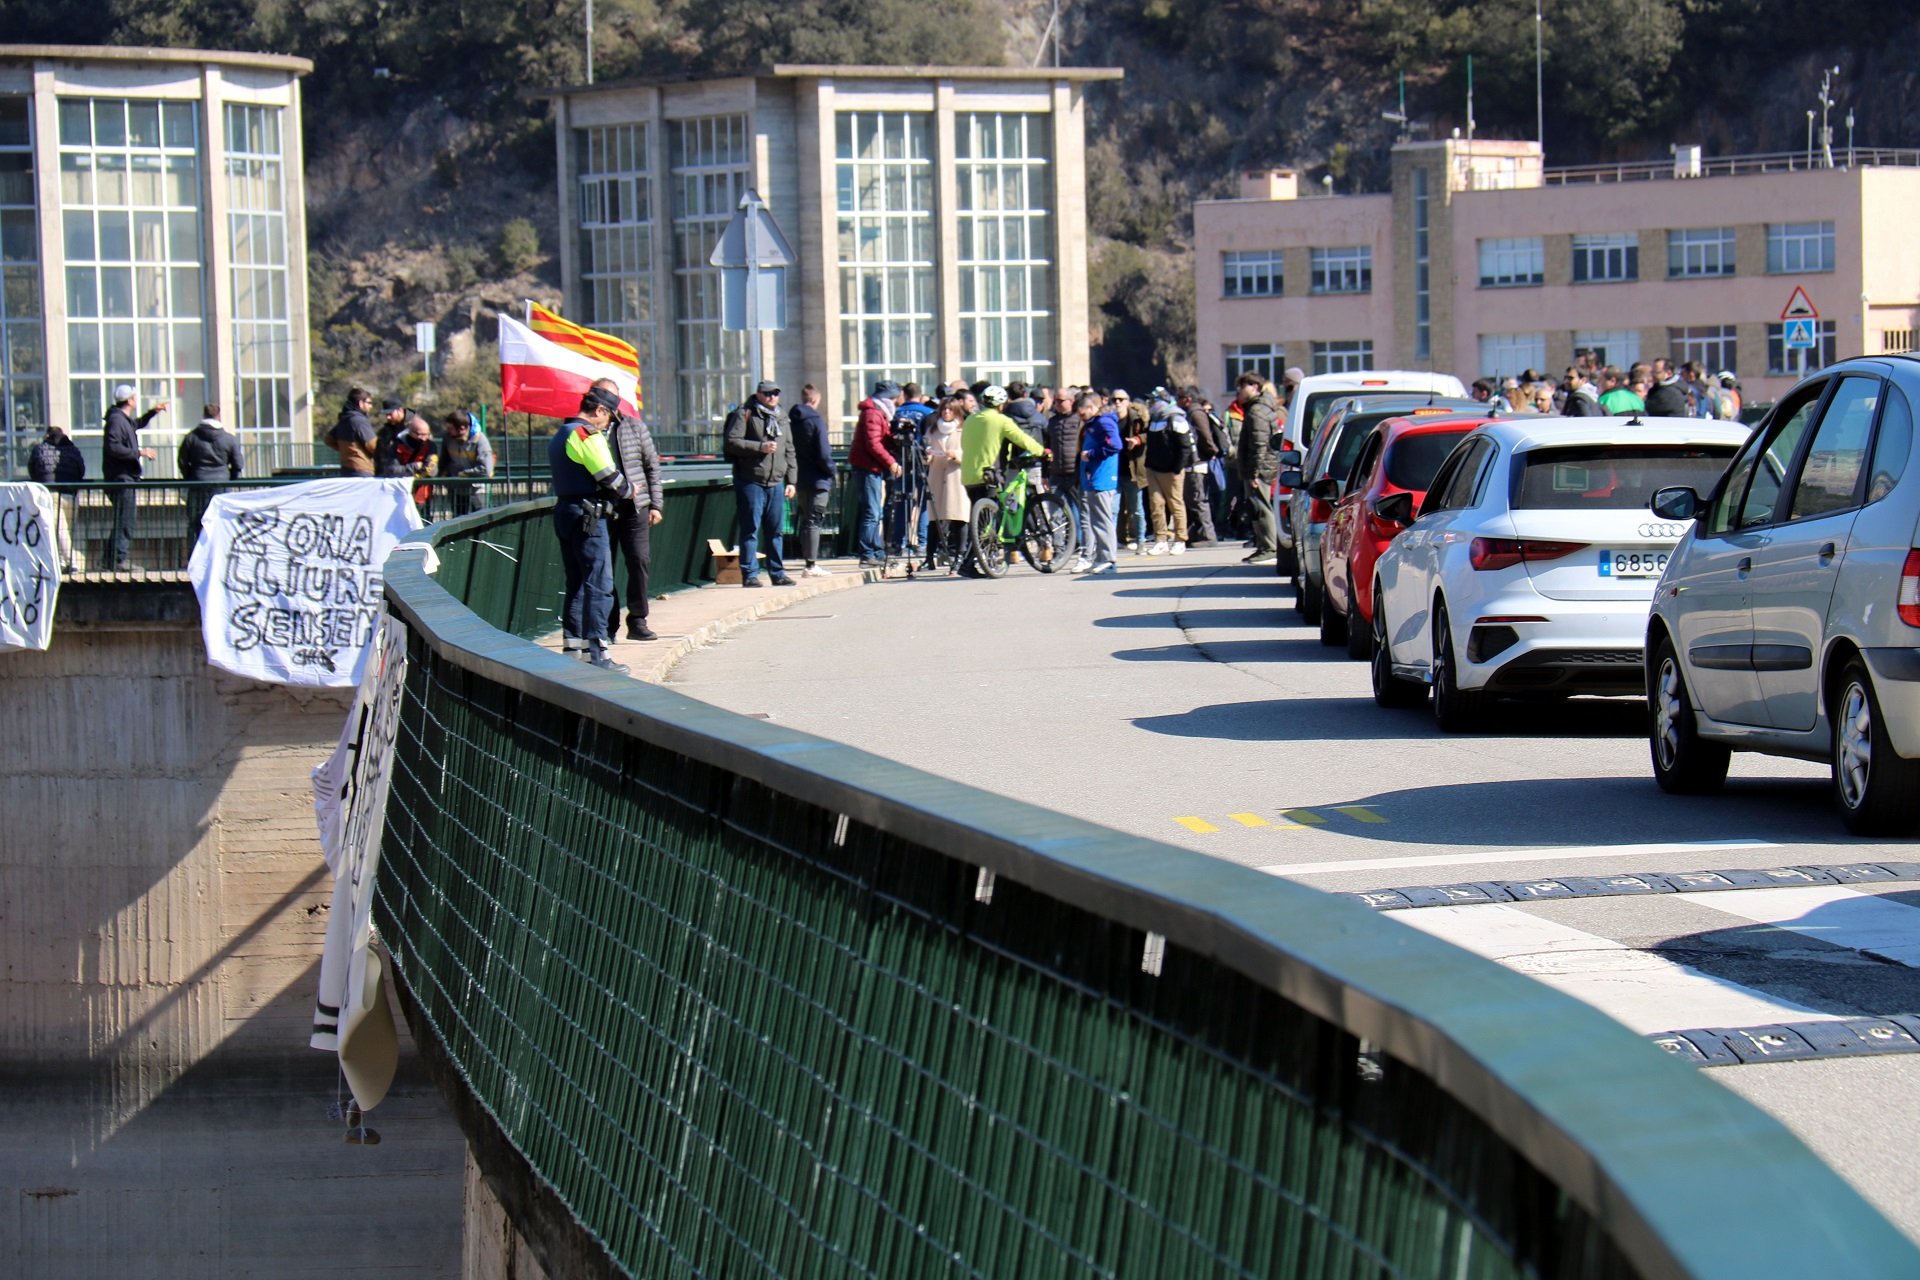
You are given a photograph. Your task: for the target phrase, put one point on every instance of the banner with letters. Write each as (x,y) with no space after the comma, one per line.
(289,578)
(350,788)
(29,573)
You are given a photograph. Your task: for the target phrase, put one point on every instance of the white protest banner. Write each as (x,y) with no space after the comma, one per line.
(289,578)
(29,575)
(350,804)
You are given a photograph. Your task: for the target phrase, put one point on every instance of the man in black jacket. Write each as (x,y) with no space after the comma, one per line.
(121,460)
(764,473)
(58,460)
(1199,487)
(1666,399)
(634,515)
(1258,466)
(209,453)
(814,451)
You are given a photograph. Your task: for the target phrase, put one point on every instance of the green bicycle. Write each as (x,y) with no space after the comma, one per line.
(1020,513)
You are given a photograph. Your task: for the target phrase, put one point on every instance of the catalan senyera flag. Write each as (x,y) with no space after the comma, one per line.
(547,374)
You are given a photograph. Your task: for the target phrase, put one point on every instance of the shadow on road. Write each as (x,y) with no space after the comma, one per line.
(1238,651)
(1269,616)
(1266,588)
(1357,719)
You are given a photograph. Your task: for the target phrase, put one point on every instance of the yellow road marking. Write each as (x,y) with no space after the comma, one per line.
(1200,825)
(1305,816)
(1249,819)
(1359,812)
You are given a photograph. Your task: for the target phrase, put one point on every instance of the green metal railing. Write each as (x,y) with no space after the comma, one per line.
(746,1001)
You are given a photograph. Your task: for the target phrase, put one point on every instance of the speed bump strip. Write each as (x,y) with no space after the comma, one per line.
(1794,1041)
(1480,892)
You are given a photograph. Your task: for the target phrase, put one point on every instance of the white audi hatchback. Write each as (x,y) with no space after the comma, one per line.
(1532,563)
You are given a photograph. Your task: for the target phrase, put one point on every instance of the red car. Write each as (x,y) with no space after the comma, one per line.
(1400,456)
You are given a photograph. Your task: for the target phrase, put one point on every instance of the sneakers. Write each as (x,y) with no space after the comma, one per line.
(1104,567)
(597,657)
(816,571)
(1177,549)
(1260,557)
(867,562)
(1157,549)
(1080,566)
(1133,546)
(752,582)
(782,580)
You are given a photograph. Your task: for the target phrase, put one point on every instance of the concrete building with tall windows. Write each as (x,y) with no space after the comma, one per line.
(152,232)
(938,215)
(1480,260)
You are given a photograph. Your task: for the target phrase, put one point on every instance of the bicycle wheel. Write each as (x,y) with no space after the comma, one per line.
(1046,534)
(989,552)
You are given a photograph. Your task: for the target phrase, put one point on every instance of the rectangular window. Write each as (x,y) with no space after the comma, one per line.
(1784,361)
(707,175)
(1799,246)
(1005,215)
(1343,270)
(257,229)
(1350,356)
(1618,347)
(1508,355)
(1267,359)
(1254,274)
(883,173)
(1606,259)
(1699,251)
(612,168)
(130,216)
(1506,263)
(23,366)
(1711,344)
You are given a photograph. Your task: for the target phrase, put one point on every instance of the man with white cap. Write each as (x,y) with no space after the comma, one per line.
(121,457)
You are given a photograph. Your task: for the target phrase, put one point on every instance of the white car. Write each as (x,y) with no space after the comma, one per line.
(1318,392)
(1533,562)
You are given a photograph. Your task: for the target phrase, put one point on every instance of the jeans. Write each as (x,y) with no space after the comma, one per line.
(587,558)
(1133,510)
(813,512)
(762,509)
(126,502)
(903,504)
(873,496)
(1103,516)
(633,534)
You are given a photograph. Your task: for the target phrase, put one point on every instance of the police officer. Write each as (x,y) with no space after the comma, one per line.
(586,485)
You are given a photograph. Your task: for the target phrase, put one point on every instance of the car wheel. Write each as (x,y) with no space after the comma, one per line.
(1683,764)
(1333,627)
(1309,601)
(1873,785)
(1359,634)
(1455,710)
(1285,560)
(1390,690)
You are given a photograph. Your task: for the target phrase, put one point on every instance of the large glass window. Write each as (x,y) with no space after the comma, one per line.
(130,220)
(1347,269)
(616,237)
(1785,361)
(1252,274)
(1350,356)
(257,228)
(708,177)
(1268,359)
(1799,246)
(1519,261)
(1006,245)
(1617,347)
(23,365)
(1700,251)
(1603,259)
(883,174)
(1712,345)
(1508,355)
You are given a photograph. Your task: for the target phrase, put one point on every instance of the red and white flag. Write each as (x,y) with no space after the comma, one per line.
(539,375)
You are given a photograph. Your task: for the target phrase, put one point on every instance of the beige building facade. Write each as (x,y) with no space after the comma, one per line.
(152,232)
(937,216)
(1480,261)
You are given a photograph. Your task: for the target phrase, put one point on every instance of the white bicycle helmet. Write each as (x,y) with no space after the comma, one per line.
(994,396)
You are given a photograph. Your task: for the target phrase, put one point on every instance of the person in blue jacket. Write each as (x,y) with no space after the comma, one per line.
(1100,449)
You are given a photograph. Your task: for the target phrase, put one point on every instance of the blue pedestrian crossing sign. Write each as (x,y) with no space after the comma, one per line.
(1799,334)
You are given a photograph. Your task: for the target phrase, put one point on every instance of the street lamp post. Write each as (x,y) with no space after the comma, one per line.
(1809,137)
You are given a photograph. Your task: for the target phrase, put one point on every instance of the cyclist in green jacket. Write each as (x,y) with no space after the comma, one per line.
(981,438)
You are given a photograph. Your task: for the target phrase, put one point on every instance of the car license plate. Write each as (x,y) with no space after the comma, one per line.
(1632,564)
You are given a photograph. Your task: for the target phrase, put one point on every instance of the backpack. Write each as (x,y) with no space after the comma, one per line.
(43,464)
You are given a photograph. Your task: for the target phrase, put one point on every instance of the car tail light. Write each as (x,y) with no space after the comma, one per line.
(1910,589)
(1504,553)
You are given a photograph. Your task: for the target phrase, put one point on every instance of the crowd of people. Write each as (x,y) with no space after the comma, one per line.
(1592,389)
(402,446)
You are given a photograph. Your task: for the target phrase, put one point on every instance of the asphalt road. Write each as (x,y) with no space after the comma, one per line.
(1182,700)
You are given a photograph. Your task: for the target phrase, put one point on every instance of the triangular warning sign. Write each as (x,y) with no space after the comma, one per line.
(1799,306)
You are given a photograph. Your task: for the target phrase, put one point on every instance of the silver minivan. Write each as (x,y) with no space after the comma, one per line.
(1788,619)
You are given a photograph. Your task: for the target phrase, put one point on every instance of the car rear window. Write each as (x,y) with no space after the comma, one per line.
(1614,477)
(1412,460)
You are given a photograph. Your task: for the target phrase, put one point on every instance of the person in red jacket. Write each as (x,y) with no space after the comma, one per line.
(872,463)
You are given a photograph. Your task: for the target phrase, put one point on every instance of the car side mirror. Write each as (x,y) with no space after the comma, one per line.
(1676,503)
(1291,478)
(1326,488)
(1291,458)
(1395,507)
